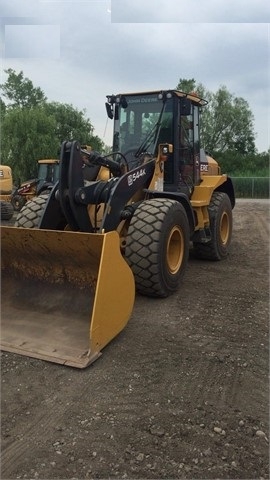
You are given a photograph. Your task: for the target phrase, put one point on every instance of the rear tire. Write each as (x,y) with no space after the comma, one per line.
(157,247)
(220,215)
(6,211)
(30,215)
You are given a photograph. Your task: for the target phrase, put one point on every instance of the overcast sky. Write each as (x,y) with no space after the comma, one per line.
(79,51)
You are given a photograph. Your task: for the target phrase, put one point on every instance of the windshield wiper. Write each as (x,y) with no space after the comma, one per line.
(154,133)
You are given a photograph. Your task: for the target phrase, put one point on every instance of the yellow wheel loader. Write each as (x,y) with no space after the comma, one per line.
(48,174)
(113,225)
(6,186)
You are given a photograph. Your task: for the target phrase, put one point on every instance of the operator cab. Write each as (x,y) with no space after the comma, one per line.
(48,171)
(143,121)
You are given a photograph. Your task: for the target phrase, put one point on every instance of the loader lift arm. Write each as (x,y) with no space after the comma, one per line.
(74,194)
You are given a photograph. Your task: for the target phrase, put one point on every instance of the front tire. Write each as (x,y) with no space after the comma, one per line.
(220,215)
(18,201)
(157,246)
(30,215)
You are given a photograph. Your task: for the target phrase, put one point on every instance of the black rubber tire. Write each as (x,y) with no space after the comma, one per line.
(7,211)
(18,202)
(31,213)
(157,246)
(220,214)
(46,191)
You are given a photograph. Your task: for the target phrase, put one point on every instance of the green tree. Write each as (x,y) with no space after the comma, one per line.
(32,128)
(227,122)
(2,108)
(186,85)
(20,91)
(28,135)
(237,164)
(72,124)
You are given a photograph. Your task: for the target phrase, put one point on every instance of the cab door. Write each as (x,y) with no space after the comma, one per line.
(189,164)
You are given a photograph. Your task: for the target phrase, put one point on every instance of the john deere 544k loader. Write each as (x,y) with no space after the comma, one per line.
(112,225)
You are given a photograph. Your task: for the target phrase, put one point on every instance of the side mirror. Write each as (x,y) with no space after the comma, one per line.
(185,106)
(109,110)
(124,102)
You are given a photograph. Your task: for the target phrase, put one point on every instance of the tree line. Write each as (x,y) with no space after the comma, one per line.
(33,128)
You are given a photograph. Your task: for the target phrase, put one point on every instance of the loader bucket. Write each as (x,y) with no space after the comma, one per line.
(65,295)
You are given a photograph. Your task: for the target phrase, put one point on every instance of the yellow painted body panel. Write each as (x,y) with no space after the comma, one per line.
(201,197)
(5,182)
(202,193)
(48,161)
(213,167)
(65,295)
(5,198)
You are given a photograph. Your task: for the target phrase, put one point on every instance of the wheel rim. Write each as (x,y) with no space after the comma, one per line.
(18,203)
(175,250)
(224,230)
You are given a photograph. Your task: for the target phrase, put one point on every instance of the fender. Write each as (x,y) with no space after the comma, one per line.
(181,198)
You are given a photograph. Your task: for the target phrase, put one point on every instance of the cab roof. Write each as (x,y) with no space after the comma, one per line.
(193,96)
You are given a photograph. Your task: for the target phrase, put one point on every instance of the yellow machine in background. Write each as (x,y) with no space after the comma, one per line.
(48,175)
(113,225)
(6,185)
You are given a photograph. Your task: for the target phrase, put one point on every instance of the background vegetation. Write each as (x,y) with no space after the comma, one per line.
(34,128)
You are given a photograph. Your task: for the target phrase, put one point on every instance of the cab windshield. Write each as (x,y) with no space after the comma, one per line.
(48,172)
(141,125)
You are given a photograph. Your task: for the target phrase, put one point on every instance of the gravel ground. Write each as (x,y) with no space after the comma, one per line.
(181,393)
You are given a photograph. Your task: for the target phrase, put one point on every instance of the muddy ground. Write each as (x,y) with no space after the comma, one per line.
(182,392)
